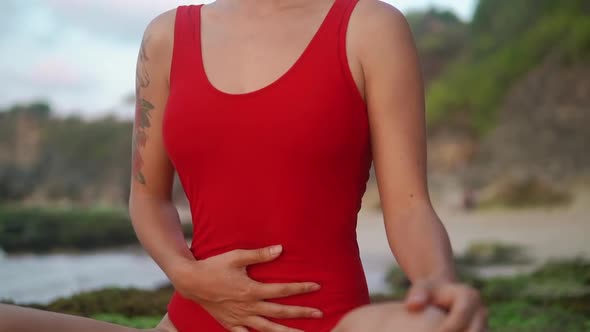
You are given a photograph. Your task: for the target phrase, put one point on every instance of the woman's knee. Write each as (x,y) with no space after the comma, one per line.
(428,320)
(392,316)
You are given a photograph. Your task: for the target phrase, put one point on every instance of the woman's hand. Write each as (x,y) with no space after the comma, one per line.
(221,285)
(466,311)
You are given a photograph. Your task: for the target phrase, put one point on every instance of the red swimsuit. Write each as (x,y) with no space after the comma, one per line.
(286,164)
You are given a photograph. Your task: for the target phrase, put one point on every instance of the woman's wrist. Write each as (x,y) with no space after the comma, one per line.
(179,269)
(443,275)
(189,278)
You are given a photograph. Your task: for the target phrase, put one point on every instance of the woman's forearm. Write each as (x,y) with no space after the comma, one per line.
(158,228)
(421,244)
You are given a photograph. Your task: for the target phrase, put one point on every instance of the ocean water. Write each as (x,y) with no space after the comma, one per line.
(43,278)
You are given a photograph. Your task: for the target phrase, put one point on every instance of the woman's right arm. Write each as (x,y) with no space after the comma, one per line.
(220,283)
(153,214)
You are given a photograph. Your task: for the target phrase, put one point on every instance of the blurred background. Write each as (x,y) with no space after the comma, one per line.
(508,107)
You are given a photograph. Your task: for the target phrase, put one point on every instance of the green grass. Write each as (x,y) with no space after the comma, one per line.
(136,322)
(522,316)
(554,298)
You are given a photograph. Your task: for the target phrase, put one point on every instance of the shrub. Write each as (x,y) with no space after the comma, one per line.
(128,302)
(42,229)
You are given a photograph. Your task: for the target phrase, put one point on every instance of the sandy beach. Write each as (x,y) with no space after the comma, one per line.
(544,233)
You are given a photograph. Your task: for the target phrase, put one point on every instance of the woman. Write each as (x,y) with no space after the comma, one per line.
(271,112)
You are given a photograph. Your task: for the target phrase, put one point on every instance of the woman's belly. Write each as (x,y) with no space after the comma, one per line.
(314,221)
(343,288)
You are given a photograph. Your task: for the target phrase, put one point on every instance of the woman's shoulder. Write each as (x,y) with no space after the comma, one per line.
(378,16)
(375,24)
(158,42)
(163,21)
(160,31)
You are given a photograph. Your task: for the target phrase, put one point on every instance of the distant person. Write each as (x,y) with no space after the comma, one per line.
(469,199)
(272,112)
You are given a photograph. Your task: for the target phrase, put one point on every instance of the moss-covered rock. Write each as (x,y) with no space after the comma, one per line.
(492,253)
(127,302)
(554,297)
(523,192)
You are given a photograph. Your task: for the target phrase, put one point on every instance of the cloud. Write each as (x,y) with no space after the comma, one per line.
(57,73)
(123,20)
(9,10)
(80,54)
(76,70)
(463,8)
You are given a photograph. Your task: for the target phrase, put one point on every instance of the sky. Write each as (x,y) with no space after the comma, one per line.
(79,55)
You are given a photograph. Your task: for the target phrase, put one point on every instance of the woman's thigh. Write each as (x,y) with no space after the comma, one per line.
(15,318)
(390,316)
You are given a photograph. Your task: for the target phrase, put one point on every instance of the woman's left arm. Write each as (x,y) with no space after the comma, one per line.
(394,94)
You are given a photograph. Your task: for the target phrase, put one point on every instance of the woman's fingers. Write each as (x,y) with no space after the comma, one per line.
(264,325)
(262,291)
(418,296)
(251,290)
(462,304)
(245,257)
(480,322)
(239,329)
(275,310)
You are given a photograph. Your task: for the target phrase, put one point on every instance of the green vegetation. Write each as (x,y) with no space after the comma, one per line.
(507,39)
(555,297)
(521,316)
(136,322)
(98,156)
(469,69)
(129,307)
(41,229)
(129,302)
(57,159)
(438,33)
(492,253)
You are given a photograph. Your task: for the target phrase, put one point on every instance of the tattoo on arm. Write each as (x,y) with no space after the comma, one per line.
(143,110)
(142,76)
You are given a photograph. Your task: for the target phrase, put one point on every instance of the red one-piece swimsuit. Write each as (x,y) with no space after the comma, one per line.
(285,164)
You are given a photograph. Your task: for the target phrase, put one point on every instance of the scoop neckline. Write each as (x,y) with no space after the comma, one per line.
(275,82)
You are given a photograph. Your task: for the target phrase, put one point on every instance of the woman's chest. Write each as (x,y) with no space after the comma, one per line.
(312,123)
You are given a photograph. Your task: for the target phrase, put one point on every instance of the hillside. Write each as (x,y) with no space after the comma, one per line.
(506,40)
(543,129)
(516,101)
(47,159)
(440,36)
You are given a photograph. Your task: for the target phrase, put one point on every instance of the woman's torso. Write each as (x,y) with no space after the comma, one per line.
(284,164)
